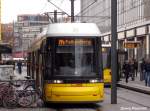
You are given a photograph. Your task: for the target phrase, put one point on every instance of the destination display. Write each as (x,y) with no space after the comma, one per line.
(70,42)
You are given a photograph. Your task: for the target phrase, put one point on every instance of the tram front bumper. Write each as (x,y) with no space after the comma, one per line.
(74,94)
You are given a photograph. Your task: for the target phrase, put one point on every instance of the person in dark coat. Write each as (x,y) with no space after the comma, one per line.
(147,70)
(126,70)
(19,64)
(142,72)
(135,67)
(132,69)
(123,68)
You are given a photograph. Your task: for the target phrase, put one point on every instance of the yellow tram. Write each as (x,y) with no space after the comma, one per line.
(106,54)
(66,63)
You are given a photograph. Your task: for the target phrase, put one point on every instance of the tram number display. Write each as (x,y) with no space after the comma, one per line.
(71,42)
(131,44)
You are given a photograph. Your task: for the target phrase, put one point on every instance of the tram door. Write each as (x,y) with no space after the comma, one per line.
(122,56)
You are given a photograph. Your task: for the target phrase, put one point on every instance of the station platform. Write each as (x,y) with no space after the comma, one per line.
(135,85)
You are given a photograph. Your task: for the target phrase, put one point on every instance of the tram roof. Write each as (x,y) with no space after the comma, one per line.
(66,30)
(72,29)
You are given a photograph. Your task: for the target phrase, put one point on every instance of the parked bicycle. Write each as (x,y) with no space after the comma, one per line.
(5,90)
(18,93)
(8,97)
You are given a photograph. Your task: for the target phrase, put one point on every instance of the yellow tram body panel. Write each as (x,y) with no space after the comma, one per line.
(107,76)
(74,93)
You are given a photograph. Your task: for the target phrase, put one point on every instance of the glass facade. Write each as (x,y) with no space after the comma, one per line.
(130,12)
(131,15)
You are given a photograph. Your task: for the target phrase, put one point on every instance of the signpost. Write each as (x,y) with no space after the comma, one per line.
(114,51)
(132,44)
(72,10)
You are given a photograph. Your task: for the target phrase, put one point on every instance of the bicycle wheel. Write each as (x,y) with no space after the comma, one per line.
(1,100)
(25,99)
(10,101)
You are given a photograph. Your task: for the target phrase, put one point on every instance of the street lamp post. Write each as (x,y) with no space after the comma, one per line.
(72,10)
(114,51)
(22,48)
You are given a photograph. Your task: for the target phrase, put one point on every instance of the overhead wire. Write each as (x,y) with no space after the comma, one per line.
(87,7)
(43,7)
(58,7)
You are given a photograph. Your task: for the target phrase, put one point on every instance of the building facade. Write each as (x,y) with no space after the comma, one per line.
(26,29)
(6,43)
(133,23)
(7,33)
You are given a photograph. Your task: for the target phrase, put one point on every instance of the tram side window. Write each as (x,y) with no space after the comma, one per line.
(106,57)
(104,60)
(48,65)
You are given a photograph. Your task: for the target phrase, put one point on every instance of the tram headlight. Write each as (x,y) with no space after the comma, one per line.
(94,81)
(58,81)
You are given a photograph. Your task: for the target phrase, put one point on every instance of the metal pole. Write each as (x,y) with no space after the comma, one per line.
(114,51)
(55,16)
(22,49)
(72,10)
(0,25)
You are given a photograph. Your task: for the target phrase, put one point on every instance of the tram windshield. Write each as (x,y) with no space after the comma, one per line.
(75,57)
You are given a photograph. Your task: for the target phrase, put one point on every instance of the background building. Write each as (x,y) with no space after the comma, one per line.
(133,22)
(130,12)
(7,33)
(26,29)
(6,41)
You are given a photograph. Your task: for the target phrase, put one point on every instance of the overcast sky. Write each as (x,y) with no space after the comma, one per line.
(12,8)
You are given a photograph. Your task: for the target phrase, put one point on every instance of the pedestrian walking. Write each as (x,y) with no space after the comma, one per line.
(142,70)
(147,70)
(135,67)
(19,64)
(118,71)
(123,69)
(132,69)
(126,70)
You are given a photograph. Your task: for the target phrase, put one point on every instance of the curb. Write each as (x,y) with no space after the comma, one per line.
(134,88)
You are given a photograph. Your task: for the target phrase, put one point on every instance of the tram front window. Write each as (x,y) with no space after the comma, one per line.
(75,60)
